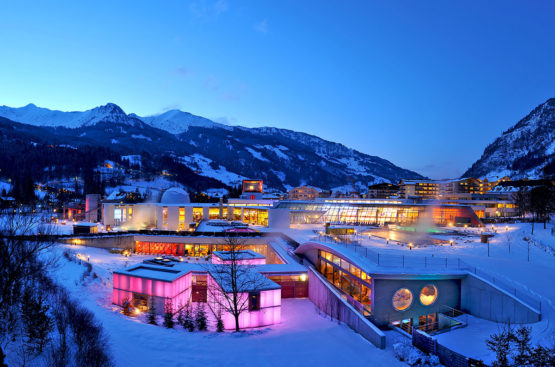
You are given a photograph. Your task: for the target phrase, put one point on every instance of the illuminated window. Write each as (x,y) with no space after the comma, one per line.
(402,299)
(213,213)
(130,212)
(181,218)
(428,295)
(165,215)
(197,214)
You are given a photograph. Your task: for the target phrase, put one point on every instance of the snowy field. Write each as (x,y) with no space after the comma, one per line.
(304,336)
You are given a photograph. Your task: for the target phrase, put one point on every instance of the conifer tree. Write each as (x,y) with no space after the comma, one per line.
(220,325)
(499,344)
(200,318)
(151,318)
(522,339)
(168,315)
(180,315)
(37,323)
(188,323)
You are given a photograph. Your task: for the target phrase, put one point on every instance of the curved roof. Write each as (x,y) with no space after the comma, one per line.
(358,258)
(175,195)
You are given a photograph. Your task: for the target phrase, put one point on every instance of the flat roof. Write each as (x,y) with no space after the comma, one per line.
(160,272)
(248,279)
(240,255)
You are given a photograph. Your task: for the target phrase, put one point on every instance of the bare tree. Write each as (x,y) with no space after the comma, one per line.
(542,203)
(235,281)
(24,256)
(522,201)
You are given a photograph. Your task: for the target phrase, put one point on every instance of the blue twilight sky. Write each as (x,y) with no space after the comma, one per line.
(425,84)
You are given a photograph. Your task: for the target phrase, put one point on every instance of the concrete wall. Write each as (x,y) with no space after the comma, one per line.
(483,299)
(449,294)
(122,242)
(327,299)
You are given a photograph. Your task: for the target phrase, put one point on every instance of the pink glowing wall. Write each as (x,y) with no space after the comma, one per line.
(217,260)
(269,313)
(178,291)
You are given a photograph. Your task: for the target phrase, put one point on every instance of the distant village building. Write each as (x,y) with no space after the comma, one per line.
(383,191)
(442,189)
(304,193)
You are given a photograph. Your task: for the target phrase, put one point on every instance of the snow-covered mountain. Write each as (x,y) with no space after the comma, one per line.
(282,158)
(526,150)
(39,116)
(177,122)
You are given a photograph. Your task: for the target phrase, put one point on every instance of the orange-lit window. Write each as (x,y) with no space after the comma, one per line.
(181,218)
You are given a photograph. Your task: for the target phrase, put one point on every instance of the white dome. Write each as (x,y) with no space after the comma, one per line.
(175,195)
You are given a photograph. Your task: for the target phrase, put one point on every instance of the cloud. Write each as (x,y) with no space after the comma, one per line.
(262,26)
(225,120)
(182,71)
(172,106)
(220,7)
(211,83)
(208,9)
(438,170)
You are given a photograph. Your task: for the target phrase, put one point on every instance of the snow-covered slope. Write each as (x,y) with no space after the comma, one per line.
(39,116)
(526,150)
(282,158)
(177,122)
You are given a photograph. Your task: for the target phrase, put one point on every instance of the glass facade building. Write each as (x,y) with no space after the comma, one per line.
(378,214)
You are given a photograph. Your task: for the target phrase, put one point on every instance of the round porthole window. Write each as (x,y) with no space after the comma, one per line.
(428,295)
(402,299)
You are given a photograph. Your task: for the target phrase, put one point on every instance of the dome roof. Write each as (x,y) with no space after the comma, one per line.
(175,195)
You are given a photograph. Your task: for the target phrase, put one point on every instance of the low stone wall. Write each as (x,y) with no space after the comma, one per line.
(122,242)
(485,300)
(328,299)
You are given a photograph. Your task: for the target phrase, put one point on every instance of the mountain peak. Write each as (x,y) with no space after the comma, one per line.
(178,122)
(108,109)
(522,151)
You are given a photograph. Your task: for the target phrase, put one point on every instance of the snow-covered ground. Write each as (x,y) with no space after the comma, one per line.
(304,336)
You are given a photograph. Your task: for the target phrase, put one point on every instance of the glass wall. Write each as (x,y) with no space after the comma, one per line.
(256,216)
(376,214)
(200,250)
(348,278)
(213,213)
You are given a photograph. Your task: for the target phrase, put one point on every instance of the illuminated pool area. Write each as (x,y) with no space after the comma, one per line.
(422,298)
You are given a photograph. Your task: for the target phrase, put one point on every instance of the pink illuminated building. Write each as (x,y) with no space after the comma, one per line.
(171,282)
(163,285)
(259,298)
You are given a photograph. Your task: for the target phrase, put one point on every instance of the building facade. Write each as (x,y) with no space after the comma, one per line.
(303,193)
